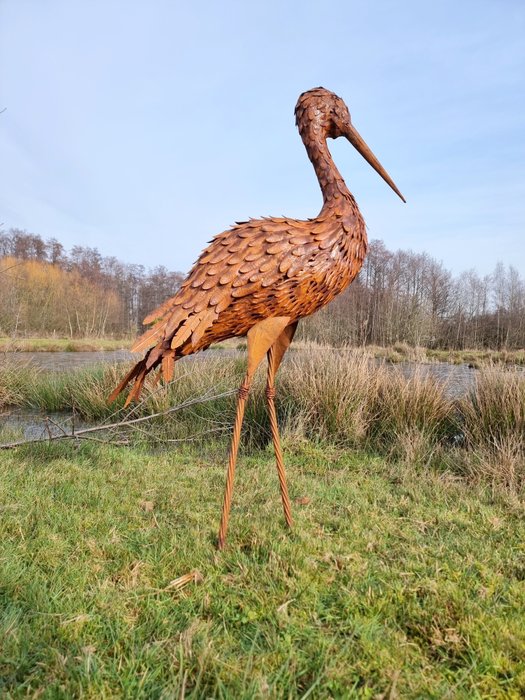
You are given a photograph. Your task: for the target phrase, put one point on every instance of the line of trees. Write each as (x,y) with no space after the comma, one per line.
(398,297)
(46,290)
(410,297)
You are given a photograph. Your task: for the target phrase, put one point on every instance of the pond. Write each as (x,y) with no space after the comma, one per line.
(458,378)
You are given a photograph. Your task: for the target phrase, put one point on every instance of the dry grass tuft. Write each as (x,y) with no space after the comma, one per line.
(493,423)
(330,395)
(411,414)
(16,379)
(495,409)
(501,464)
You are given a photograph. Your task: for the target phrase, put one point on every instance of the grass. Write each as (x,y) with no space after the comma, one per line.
(53,344)
(394,583)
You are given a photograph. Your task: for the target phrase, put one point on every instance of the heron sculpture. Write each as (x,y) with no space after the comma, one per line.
(258,278)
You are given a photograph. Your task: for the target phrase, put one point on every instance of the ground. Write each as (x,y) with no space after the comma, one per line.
(395,582)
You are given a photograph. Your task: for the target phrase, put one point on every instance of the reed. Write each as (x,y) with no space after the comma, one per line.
(16,380)
(493,424)
(412,416)
(495,409)
(330,395)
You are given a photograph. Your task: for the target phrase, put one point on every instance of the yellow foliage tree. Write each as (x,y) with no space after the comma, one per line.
(42,298)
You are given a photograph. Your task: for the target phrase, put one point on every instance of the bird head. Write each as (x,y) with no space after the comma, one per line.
(323,112)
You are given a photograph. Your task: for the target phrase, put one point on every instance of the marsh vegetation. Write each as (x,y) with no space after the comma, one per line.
(349,400)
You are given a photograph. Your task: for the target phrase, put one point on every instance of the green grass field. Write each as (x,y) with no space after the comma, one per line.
(397,582)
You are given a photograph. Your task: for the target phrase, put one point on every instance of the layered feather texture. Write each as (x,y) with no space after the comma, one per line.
(261,268)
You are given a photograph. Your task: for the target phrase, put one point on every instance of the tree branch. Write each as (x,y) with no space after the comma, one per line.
(75,434)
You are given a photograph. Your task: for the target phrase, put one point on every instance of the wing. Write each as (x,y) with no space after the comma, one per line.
(239,263)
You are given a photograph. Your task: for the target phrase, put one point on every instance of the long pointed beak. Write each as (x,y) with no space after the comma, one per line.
(358,143)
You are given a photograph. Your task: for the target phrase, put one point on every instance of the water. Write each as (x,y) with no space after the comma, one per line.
(64,361)
(458,379)
(32,424)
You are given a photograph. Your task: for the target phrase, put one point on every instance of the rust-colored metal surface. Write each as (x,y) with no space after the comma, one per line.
(260,277)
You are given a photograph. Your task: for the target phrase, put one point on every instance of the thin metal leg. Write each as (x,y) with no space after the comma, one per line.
(270,396)
(260,338)
(232,460)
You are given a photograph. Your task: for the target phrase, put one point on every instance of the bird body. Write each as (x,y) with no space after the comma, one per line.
(257,269)
(263,267)
(261,276)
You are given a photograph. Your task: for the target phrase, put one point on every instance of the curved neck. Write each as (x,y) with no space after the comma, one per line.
(332,184)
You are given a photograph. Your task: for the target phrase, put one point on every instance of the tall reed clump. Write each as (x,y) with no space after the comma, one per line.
(412,415)
(339,395)
(346,396)
(328,395)
(342,396)
(86,390)
(493,423)
(16,380)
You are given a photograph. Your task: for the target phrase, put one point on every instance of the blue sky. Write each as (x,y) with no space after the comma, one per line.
(144,128)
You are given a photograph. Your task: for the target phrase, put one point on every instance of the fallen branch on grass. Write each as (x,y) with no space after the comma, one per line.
(86,433)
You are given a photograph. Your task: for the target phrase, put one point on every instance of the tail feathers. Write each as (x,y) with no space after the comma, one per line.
(138,373)
(177,328)
(127,379)
(137,387)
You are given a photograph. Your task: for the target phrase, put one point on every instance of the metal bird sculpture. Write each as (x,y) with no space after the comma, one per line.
(260,277)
